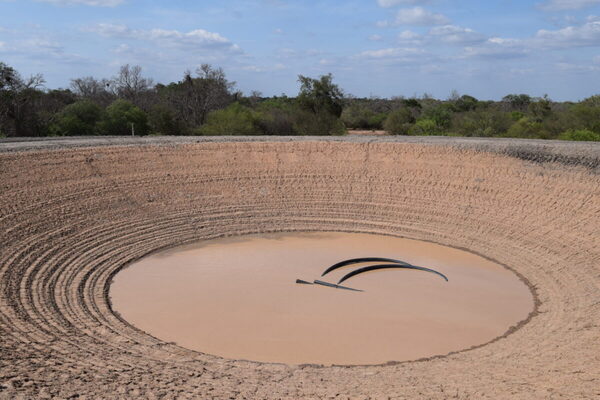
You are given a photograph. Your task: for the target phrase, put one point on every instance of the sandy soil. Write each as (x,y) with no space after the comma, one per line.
(73,212)
(246,287)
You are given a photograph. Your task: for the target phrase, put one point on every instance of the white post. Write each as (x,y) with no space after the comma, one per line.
(132,130)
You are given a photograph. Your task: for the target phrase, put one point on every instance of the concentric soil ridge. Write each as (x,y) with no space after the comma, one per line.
(73,212)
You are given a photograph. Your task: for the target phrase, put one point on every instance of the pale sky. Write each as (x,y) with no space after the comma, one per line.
(372,47)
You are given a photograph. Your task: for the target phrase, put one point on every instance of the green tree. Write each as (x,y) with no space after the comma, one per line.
(465,103)
(320,104)
(541,108)
(320,95)
(79,118)
(119,118)
(517,102)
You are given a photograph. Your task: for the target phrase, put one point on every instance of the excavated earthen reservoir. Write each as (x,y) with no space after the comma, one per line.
(75,212)
(245,285)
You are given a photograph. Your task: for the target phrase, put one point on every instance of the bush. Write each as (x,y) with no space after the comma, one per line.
(79,118)
(163,121)
(516,115)
(481,123)
(119,117)
(527,129)
(276,116)
(357,117)
(233,120)
(440,114)
(586,116)
(580,135)
(322,123)
(465,103)
(398,122)
(425,127)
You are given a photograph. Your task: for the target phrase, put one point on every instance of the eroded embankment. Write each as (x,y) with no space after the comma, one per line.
(70,218)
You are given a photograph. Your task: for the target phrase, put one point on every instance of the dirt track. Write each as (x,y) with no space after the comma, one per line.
(73,212)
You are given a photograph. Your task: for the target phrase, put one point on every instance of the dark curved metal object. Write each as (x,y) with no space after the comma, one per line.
(336,286)
(389,266)
(362,260)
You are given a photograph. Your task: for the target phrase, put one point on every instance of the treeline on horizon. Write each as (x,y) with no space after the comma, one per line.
(206,103)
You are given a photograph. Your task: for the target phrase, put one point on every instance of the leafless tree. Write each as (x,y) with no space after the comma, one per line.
(93,89)
(195,97)
(17,97)
(130,83)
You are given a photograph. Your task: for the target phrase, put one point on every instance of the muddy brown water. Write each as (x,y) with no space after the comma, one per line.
(237,298)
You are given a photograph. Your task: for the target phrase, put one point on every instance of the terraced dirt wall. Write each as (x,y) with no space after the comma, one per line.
(73,213)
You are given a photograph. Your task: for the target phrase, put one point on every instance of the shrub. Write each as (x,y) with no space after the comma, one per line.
(399,121)
(119,117)
(233,120)
(322,123)
(516,115)
(526,128)
(580,135)
(163,121)
(357,117)
(585,116)
(482,123)
(79,118)
(277,116)
(440,114)
(425,127)
(465,103)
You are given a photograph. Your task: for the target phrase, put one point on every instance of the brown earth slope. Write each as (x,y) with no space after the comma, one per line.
(73,212)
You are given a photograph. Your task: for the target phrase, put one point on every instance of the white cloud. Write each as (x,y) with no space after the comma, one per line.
(419,16)
(252,68)
(393,52)
(393,3)
(558,5)
(41,48)
(587,34)
(410,37)
(375,38)
(498,48)
(456,34)
(198,38)
(576,68)
(93,3)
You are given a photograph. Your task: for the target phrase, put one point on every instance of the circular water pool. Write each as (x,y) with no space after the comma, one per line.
(238,298)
